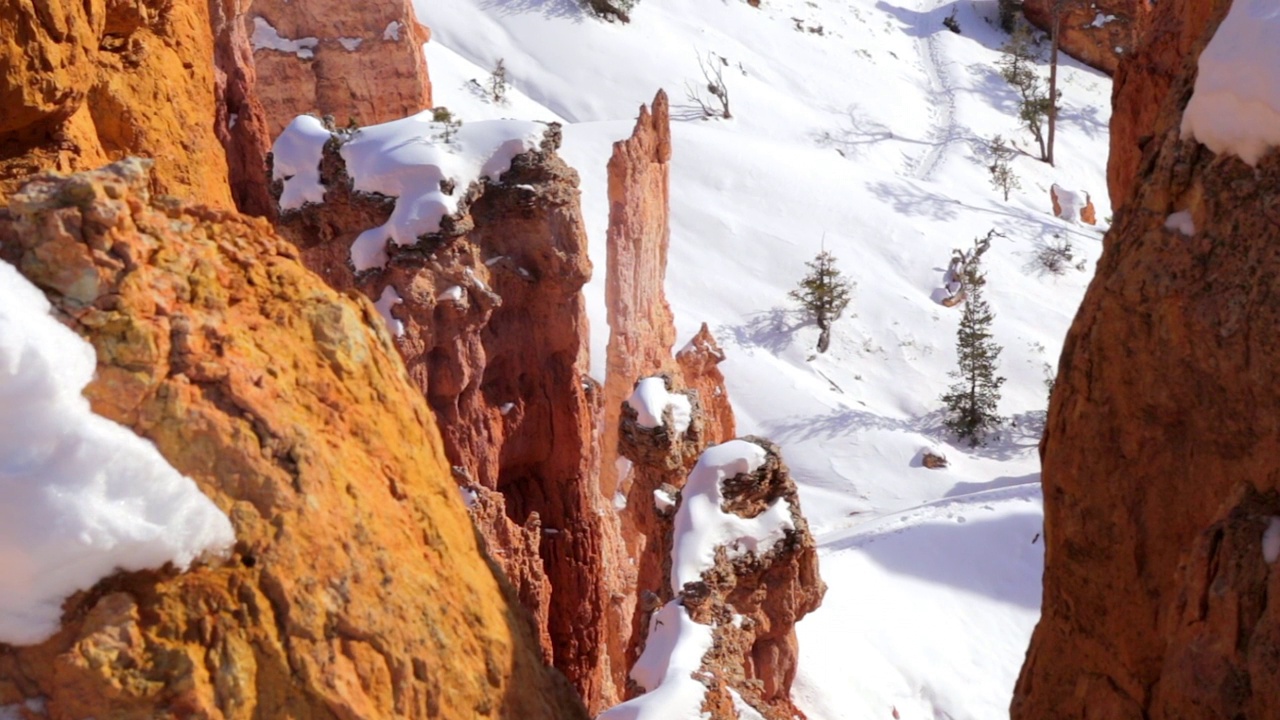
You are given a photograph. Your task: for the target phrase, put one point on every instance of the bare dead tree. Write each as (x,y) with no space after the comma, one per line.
(714,91)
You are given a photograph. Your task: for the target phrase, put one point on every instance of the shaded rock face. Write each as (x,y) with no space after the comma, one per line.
(82,83)
(1097,33)
(495,337)
(754,603)
(356,588)
(240,121)
(1166,50)
(1159,452)
(365,64)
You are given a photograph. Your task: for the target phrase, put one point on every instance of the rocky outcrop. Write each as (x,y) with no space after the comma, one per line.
(356,588)
(1097,33)
(1072,206)
(360,62)
(1166,50)
(699,360)
(1159,474)
(240,121)
(82,83)
(495,337)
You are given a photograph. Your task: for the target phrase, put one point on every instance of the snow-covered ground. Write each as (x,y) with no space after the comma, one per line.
(858,126)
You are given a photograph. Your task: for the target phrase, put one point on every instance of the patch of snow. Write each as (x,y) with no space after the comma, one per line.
(1235,106)
(701,526)
(35,706)
(350,43)
(265,37)
(392,32)
(469,497)
(673,651)
(506,408)
(1181,222)
(745,711)
(619,500)
(390,298)
(406,160)
(232,120)
(296,160)
(623,467)
(1072,202)
(1101,20)
(651,399)
(662,500)
(83,496)
(1271,540)
(453,293)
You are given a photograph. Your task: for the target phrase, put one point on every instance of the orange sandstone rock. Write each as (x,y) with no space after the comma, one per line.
(1097,33)
(357,589)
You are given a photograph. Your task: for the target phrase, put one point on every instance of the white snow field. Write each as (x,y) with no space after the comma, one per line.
(82,495)
(858,126)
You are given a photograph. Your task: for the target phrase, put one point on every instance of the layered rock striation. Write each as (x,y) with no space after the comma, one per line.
(356,588)
(1161,497)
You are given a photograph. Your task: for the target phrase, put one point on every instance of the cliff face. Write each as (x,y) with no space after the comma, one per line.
(1159,479)
(1166,51)
(359,62)
(240,121)
(356,588)
(82,83)
(495,337)
(1098,33)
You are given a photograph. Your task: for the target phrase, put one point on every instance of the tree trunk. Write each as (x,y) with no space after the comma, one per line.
(1053,79)
(824,336)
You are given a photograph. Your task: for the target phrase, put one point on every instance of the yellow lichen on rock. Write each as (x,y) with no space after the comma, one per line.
(357,589)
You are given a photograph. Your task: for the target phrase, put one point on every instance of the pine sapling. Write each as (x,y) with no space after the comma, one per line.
(973,400)
(824,294)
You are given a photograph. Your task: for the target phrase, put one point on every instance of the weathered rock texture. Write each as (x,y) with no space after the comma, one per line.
(502,360)
(366,65)
(240,121)
(1166,50)
(1098,33)
(356,589)
(82,83)
(754,603)
(1159,453)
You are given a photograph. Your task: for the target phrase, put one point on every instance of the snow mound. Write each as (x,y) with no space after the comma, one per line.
(83,496)
(410,158)
(672,653)
(1070,201)
(650,400)
(701,526)
(1235,107)
(296,160)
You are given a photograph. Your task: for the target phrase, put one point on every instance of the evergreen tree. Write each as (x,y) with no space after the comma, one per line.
(824,294)
(1018,67)
(973,401)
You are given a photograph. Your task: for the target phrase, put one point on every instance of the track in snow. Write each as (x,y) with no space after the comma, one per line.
(944,96)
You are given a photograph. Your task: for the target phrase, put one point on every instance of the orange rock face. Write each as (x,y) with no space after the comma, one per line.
(85,82)
(1097,33)
(1166,49)
(495,337)
(240,121)
(356,589)
(1158,456)
(359,62)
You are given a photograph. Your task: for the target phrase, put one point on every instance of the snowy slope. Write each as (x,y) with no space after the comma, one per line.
(866,137)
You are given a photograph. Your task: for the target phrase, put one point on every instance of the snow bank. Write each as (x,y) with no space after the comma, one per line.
(266,37)
(672,653)
(407,159)
(296,160)
(701,526)
(650,400)
(1235,107)
(390,298)
(83,496)
(1070,202)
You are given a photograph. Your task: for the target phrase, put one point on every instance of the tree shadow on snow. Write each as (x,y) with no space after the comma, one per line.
(771,330)
(845,420)
(567,9)
(962,489)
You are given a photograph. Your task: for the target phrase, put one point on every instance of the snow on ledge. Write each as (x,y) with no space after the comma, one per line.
(1181,222)
(701,526)
(407,159)
(82,495)
(673,651)
(651,399)
(296,158)
(390,298)
(266,37)
(1235,106)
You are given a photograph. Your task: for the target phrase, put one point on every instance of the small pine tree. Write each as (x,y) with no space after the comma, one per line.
(448,121)
(498,82)
(973,401)
(823,294)
(1002,175)
(1018,68)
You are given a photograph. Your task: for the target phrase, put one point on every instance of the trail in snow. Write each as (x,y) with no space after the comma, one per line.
(943,94)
